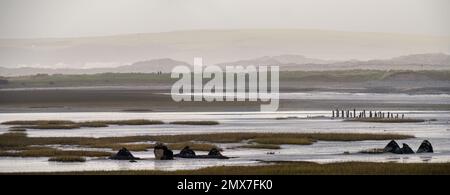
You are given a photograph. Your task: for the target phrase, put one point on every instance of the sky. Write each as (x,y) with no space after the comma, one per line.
(81,18)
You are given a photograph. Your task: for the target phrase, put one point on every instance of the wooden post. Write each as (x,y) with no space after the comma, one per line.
(332,113)
(354,113)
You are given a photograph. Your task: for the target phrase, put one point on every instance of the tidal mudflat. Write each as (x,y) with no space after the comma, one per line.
(244,136)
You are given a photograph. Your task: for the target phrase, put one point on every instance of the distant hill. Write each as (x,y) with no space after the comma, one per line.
(215,46)
(149,66)
(432,61)
(278,60)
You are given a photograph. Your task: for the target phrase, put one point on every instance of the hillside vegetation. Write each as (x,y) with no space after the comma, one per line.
(117,79)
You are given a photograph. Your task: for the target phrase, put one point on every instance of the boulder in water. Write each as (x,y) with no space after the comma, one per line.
(123,154)
(162,152)
(425,147)
(214,152)
(406,149)
(186,152)
(392,147)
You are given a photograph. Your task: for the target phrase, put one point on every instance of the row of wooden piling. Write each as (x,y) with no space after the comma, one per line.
(365,114)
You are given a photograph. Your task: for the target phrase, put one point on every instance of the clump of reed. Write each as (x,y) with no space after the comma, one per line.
(34,151)
(283,140)
(65,124)
(193,146)
(67,159)
(195,123)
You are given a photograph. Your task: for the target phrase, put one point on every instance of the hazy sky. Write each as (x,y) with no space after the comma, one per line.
(74,18)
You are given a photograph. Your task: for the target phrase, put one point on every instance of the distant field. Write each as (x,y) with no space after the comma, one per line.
(104,79)
(112,79)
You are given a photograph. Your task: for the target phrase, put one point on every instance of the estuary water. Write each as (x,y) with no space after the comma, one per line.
(436,131)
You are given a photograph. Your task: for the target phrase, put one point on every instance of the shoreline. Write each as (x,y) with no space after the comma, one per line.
(285,168)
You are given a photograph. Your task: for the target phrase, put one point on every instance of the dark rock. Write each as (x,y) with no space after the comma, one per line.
(392,147)
(162,152)
(406,149)
(168,155)
(123,154)
(214,152)
(186,152)
(425,147)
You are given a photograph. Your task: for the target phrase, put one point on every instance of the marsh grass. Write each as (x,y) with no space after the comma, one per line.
(286,118)
(118,146)
(293,168)
(51,152)
(39,122)
(51,126)
(193,146)
(195,123)
(283,140)
(92,124)
(131,122)
(67,159)
(17,129)
(26,145)
(65,124)
(277,137)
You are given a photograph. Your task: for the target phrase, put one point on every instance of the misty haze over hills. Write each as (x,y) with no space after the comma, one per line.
(435,61)
(292,49)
